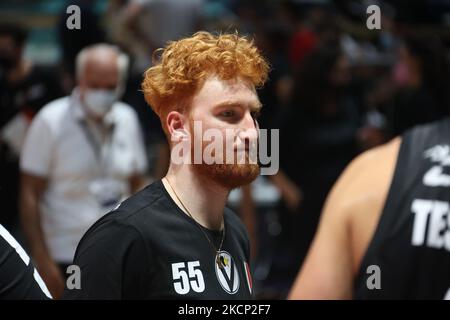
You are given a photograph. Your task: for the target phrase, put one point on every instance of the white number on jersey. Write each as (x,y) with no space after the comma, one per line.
(185,281)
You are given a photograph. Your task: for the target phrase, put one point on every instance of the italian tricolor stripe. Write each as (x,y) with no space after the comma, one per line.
(248,276)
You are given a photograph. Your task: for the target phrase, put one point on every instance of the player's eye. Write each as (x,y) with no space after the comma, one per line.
(227,113)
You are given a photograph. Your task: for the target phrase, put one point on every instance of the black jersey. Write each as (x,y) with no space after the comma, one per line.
(411,245)
(148,248)
(19,280)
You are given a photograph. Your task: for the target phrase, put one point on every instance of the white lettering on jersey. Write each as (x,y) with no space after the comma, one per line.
(435,176)
(187,276)
(447,295)
(431,224)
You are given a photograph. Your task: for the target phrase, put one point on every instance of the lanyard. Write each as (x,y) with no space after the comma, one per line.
(101,150)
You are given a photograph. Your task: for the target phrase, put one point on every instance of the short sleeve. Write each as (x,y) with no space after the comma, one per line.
(112,261)
(37,149)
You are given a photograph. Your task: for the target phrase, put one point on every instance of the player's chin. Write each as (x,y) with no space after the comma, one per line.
(236,175)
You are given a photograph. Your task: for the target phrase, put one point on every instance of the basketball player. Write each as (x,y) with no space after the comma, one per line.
(385,229)
(176,239)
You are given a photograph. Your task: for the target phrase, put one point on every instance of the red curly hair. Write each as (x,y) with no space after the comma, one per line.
(186,63)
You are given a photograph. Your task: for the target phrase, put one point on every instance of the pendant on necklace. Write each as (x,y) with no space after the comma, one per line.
(219,262)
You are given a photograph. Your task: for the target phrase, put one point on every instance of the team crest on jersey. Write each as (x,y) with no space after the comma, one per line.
(436,175)
(227,273)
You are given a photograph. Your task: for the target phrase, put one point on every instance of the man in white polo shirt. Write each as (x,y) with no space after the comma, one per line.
(82,155)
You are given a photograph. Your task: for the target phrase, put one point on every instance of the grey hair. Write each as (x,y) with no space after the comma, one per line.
(122,60)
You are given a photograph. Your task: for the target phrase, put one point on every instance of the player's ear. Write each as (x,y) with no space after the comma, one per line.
(176,122)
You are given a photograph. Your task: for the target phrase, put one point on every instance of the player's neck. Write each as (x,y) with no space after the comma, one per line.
(205,200)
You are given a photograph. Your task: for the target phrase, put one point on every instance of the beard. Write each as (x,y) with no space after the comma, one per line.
(230,176)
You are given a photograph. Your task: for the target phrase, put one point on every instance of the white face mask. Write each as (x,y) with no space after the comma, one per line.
(99,101)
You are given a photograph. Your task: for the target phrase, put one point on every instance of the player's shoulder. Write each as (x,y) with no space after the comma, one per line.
(143,209)
(366,178)
(370,164)
(149,205)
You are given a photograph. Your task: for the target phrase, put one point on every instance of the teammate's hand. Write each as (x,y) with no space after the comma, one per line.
(52,276)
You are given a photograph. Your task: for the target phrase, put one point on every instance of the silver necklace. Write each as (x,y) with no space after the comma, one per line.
(217,251)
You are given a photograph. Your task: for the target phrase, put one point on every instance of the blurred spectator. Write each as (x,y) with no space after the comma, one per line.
(24,89)
(422,76)
(82,155)
(155,22)
(315,26)
(275,95)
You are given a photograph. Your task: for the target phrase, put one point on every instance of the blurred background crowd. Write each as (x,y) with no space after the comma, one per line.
(336,89)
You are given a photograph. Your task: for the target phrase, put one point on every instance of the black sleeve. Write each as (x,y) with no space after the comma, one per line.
(19,279)
(113,263)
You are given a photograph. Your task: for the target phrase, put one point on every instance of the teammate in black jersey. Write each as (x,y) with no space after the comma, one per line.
(175,239)
(385,229)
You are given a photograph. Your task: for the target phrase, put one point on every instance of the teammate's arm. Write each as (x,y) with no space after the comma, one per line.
(347,225)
